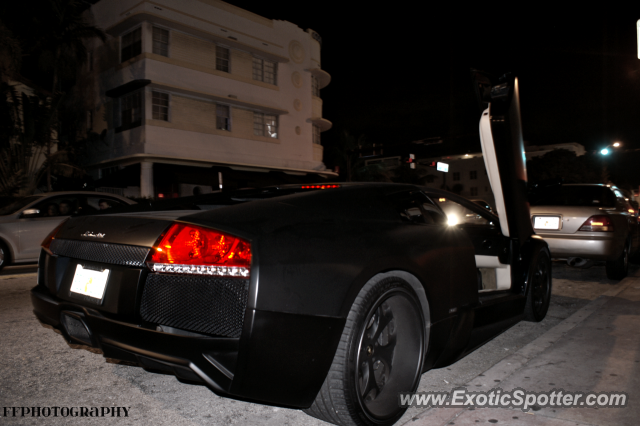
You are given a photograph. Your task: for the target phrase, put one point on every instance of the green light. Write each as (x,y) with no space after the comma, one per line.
(605,151)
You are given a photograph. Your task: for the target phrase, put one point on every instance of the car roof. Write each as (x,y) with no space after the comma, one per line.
(76,192)
(95,193)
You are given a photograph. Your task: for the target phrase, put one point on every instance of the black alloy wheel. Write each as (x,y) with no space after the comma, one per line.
(538,287)
(381,353)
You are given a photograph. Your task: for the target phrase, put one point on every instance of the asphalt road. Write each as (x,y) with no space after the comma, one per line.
(38,369)
(27,268)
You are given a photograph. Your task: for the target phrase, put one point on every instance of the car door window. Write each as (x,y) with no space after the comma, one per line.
(94,203)
(458,214)
(60,206)
(415,207)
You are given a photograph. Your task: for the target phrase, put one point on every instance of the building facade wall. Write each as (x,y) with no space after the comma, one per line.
(195,85)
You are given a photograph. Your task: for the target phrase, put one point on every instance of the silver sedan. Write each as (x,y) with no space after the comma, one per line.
(587,222)
(27,221)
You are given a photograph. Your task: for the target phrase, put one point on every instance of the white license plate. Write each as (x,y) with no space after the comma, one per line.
(90,282)
(546,222)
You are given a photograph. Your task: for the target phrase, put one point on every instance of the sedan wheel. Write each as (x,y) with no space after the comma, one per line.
(380,355)
(4,256)
(538,287)
(617,269)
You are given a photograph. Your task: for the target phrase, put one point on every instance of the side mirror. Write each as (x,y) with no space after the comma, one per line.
(30,213)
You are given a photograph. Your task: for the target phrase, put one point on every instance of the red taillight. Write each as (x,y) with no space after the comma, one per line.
(598,224)
(320,186)
(46,243)
(191,249)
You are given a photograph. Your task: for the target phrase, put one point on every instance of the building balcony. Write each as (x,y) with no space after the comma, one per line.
(324,78)
(322,123)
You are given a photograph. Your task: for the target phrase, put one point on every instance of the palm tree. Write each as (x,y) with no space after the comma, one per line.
(347,155)
(10,54)
(25,121)
(61,48)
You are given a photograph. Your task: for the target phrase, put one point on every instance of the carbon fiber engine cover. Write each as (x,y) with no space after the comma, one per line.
(116,254)
(210,305)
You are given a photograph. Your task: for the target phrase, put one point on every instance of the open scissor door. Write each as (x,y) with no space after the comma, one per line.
(504,155)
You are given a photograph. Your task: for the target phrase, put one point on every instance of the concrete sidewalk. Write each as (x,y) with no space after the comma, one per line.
(597,349)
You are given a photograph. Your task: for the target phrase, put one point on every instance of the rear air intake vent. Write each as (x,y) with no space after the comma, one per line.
(209,305)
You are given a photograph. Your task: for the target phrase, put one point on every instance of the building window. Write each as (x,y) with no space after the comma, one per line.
(222,59)
(316,134)
(456,175)
(160,41)
(131,45)
(473,175)
(265,125)
(131,111)
(264,70)
(89,119)
(223,120)
(474,190)
(315,87)
(160,106)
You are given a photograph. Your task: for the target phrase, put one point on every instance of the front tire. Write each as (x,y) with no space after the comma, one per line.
(538,286)
(380,354)
(617,269)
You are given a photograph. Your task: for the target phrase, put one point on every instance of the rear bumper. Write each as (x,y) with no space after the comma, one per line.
(281,359)
(588,247)
(209,361)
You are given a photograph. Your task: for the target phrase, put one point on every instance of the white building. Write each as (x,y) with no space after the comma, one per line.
(203,83)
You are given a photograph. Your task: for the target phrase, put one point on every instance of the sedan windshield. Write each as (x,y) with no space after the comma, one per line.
(17,205)
(577,196)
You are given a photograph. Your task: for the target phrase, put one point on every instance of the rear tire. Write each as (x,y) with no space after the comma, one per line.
(617,269)
(380,354)
(4,255)
(538,286)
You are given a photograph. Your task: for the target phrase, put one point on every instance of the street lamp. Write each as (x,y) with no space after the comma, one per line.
(604,152)
(607,151)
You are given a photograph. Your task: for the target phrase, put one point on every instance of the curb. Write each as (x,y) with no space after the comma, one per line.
(512,363)
(509,365)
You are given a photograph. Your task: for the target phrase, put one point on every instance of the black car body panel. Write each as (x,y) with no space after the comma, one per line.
(313,252)
(271,337)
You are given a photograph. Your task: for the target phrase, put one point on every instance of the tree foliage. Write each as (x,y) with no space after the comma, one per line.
(565,164)
(353,167)
(32,124)
(10,54)
(418,176)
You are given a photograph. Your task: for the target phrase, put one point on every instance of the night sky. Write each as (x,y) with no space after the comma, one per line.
(402,74)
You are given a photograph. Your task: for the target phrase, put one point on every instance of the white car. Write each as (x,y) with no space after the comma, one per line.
(27,221)
(587,222)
